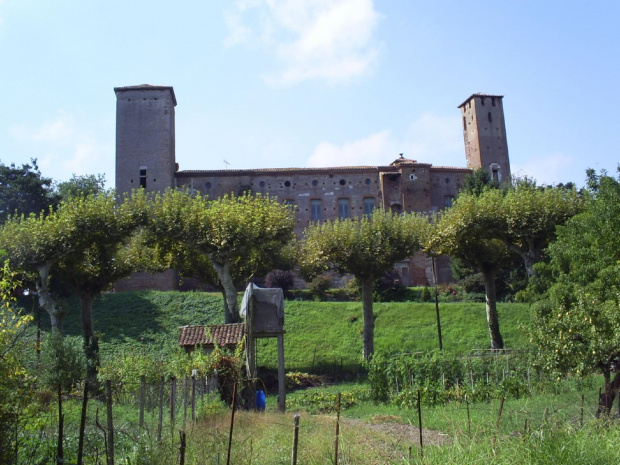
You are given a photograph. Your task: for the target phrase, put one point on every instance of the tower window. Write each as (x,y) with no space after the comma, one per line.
(343,208)
(287,183)
(493,101)
(315,182)
(261,184)
(482,100)
(464,124)
(316,207)
(143,177)
(342,182)
(368,181)
(490,118)
(447,201)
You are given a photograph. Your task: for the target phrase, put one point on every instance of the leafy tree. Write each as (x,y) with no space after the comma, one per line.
(366,247)
(238,235)
(12,370)
(470,231)
(577,326)
(81,186)
(532,215)
(23,190)
(479,181)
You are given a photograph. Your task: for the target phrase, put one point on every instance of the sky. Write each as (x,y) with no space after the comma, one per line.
(293,83)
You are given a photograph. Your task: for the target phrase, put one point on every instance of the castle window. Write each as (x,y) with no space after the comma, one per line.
(447,180)
(368,181)
(315,183)
(261,184)
(287,183)
(447,200)
(493,101)
(207,185)
(489,116)
(369,206)
(143,176)
(482,100)
(464,124)
(316,208)
(290,204)
(343,208)
(342,182)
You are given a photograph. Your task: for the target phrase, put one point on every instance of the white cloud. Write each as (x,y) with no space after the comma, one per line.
(430,139)
(331,40)
(62,147)
(550,168)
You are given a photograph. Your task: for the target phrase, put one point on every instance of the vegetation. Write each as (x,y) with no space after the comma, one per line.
(366,247)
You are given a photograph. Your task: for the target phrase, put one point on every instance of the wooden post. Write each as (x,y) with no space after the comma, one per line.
(193,397)
(173,395)
(281,375)
(337,430)
(420,423)
(108,387)
(437,305)
(142,396)
(468,417)
(232,423)
(160,419)
(185,386)
(61,418)
(581,413)
(295,439)
(80,452)
(182,448)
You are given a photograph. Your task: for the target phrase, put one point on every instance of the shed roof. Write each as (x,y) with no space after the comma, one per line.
(223,335)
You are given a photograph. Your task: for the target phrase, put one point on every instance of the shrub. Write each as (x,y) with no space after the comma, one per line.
(62,361)
(319,286)
(426,294)
(284,279)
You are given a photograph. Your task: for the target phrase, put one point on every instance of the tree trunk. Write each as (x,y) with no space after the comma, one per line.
(46,300)
(368,335)
(91,345)
(491,303)
(231,311)
(607,398)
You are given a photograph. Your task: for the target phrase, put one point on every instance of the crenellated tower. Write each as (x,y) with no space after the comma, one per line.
(484,132)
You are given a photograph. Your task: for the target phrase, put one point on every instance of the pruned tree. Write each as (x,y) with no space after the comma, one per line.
(470,230)
(366,247)
(238,235)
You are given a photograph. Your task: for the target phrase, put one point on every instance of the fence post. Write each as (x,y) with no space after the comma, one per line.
(337,430)
(468,417)
(420,423)
(82,425)
(173,395)
(232,423)
(108,387)
(142,396)
(295,439)
(581,414)
(160,419)
(182,448)
(61,418)
(193,397)
(499,418)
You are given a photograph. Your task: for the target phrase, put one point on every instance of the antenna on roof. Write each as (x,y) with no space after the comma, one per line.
(226,164)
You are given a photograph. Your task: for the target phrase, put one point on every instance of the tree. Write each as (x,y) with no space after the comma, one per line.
(577,324)
(532,215)
(238,235)
(23,190)
(470,231)
(366,247)
(81,186)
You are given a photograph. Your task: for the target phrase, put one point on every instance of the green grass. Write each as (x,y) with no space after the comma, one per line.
(320,336)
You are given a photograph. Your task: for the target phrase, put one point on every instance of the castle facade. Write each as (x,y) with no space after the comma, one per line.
(145,157)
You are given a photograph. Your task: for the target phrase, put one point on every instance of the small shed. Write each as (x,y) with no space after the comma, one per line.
(206,336)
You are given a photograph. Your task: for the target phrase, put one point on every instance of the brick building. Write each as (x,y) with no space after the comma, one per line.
(145,157)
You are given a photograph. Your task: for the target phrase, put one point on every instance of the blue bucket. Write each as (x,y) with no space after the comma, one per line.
(260,400)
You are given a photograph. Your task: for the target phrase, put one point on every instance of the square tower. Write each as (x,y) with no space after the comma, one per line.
(145,154)
(484,131)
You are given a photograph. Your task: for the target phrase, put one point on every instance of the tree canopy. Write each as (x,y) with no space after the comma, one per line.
(366,247)
(577,325)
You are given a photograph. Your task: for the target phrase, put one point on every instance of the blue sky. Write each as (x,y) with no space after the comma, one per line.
(291,83)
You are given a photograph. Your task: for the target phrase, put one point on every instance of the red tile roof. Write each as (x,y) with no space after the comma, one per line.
(223,335)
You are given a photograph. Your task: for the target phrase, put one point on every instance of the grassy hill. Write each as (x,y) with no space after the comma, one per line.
(320,336)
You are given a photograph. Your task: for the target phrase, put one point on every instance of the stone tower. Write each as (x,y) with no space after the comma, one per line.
(484,131)
(145,154)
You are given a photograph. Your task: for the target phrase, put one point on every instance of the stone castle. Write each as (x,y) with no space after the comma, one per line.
(145,157)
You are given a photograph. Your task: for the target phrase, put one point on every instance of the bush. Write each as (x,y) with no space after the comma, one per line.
(62,361)
(283,279)
(319,286)
(426,294)
(389,288)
